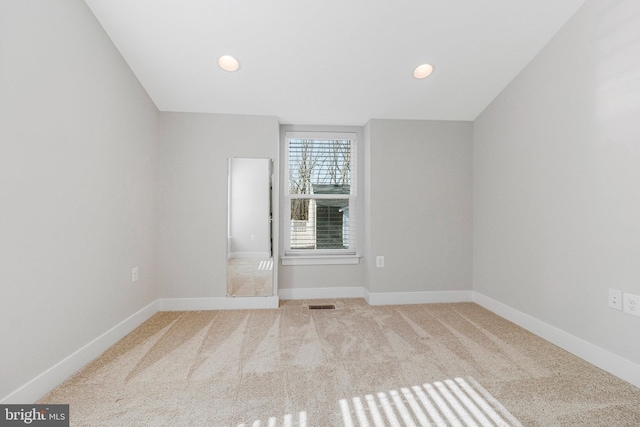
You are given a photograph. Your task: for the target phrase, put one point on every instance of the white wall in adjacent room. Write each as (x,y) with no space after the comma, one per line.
(249,207)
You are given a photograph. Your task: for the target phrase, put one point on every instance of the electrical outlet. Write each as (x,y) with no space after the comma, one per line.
(615,299)
(379,261)
(134,274)
(631,304)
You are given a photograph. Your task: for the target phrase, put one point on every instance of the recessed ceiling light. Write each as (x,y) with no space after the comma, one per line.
(423,71)
(228,63)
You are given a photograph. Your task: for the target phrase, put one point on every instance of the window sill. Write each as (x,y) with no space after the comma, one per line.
(320,259)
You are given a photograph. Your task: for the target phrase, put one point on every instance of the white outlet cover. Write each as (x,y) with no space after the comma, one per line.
(615,299)
(631,304)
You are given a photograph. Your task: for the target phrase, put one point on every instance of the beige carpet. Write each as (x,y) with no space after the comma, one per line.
(355,365)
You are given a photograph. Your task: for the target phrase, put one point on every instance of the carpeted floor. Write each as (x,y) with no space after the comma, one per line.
(355,365)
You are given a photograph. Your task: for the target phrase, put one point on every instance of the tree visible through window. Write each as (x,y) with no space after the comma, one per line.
(321,193)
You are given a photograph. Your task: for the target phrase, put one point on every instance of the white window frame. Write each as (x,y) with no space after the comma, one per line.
(322,256)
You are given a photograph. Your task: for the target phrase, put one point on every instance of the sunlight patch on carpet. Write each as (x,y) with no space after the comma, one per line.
(266,265)
(456,402)
(289,420)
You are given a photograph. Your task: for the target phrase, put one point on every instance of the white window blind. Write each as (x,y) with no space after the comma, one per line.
(321,196)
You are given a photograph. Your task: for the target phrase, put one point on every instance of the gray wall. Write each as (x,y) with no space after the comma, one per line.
(419,205)
(78,196)
(556,181)
(89,188)
(193,195)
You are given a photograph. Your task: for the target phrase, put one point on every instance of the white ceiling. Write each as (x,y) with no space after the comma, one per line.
(330,61)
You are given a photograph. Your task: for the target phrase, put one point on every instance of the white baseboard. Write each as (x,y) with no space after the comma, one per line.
(221,303)
(603,359)
(430,297)
(321,293)
(242,255)
(382,298)
(54,376)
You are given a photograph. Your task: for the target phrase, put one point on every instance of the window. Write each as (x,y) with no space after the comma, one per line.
(320,197)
